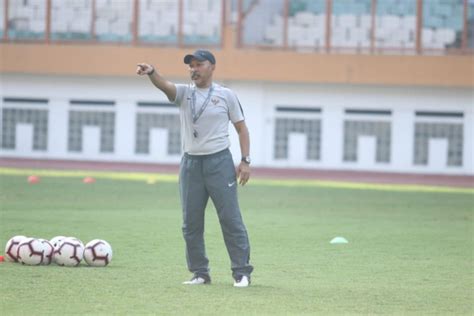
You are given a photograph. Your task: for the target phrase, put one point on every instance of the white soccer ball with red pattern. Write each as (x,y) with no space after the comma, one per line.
(69,252)
(56,242)
(48,251)
(76,239)
(11,248)
(30,252)
(98,253)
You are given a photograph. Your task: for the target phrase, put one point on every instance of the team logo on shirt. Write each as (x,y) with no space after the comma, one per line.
(215,101)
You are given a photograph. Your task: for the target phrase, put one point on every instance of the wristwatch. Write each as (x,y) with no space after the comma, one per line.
(246,159)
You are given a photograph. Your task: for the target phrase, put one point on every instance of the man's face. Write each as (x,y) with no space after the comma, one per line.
(201,72)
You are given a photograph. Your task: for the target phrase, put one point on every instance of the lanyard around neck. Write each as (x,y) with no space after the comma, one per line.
(204,105)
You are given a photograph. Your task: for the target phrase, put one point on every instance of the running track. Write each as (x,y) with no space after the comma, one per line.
(462,181)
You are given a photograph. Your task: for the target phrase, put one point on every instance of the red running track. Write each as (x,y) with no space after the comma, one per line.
(466,181)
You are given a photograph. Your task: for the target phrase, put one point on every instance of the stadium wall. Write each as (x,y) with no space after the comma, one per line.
(417,129)
(241,64)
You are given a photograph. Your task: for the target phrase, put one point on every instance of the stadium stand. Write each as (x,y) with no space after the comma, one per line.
(395,24)
(360,25)
(26,19)
(158,21)
(71,20)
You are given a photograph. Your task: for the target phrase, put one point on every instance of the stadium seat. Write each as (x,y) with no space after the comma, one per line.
(26,19)
(71,20)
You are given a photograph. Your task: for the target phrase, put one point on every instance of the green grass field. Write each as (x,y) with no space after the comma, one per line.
(408,252)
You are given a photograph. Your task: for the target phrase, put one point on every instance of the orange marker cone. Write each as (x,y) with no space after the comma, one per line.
(88,180)
(33,179)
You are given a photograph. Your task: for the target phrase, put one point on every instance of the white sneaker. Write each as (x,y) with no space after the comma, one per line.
(197,280)
(243,281)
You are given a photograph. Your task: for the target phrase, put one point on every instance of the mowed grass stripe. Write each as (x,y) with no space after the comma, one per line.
(169,178)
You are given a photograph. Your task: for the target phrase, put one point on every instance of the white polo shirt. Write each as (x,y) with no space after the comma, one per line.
(210,132)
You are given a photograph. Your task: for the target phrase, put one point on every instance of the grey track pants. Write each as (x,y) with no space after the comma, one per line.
(212,176)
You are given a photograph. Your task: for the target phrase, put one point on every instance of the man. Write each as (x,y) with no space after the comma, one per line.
(207,168)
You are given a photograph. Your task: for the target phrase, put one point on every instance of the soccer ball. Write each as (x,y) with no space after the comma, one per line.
(48,251)
(98,253)
(76,239)
(30,252)
(69,252)
(56,242)
(11,248)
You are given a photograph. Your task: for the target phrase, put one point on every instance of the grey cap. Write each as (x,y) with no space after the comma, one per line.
(201,55)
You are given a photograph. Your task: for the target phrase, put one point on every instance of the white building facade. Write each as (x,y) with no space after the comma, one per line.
(315,126)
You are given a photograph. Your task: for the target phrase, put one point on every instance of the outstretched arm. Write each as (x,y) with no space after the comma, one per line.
(161,83)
